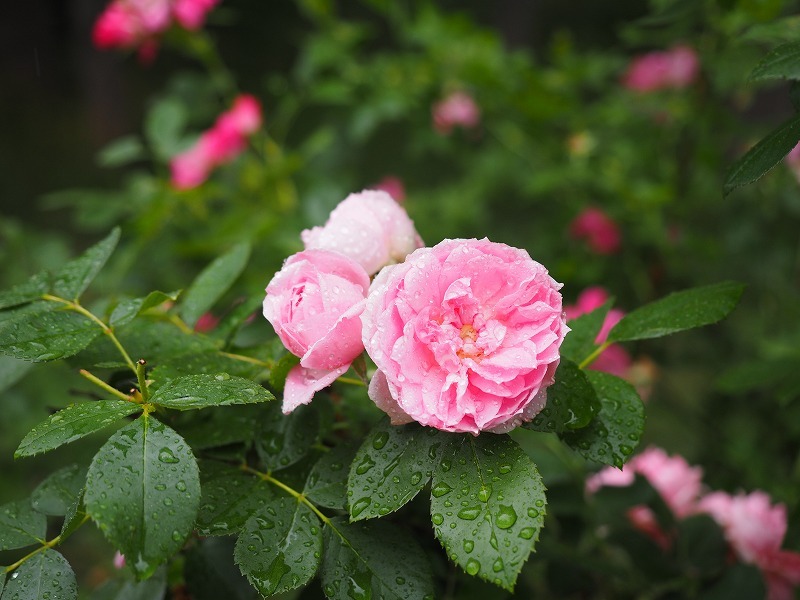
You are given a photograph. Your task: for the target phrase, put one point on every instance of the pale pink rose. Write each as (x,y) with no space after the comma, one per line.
(119,560)
(314,303)
(755,529)
(369,227)
(219,145)
(456,110)
(600,232)
(191,14)
(614,359)
(465,336)
(393,186)
(675,68)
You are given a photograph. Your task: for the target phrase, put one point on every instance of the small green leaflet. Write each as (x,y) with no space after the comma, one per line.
(487,506)
(373,559)
(571,402)
(26,292)
(391,467)
(143,491)
(163,125)
(229,497)
(56,494)
(280,547)
(121,151)
(73,518)
(327,482)
(201,391)
(579,342)
(74,277)
(127,310)
(763,156)
(45,336)
(679,311)
(282,440)
(45,576)
(781,63)
(21,525)
(614,433)
(213,282)
(72,423)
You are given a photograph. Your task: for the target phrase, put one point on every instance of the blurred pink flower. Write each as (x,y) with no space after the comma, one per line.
(191,14)
(207,322)
(793,161)
(755,529)
(393,186)
(675,68)
(457,109)
(220,144)
(119,560)
(614,359)
(600,232)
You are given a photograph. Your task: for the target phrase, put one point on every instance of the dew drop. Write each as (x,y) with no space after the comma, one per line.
(359,506)
(437,519)
(472,567)
(469,513)
(380,439)
(440,489)
(165,455)
(506,517)
(469,546)
(526,533)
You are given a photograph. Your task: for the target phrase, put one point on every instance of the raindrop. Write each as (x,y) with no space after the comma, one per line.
(440,489)
(533,513)
(416,478)
(470,513)
(366,464)
(506,517)
(498,565)
(359,506)
(180,486)
(469,546)
(165,455)
(437,519)
(380,439)
(526,533)
(176,536)
(485,493)
(473,566)
(160,487)
(505,469)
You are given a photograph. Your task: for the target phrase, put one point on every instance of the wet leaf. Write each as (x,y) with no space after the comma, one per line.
(202,391)
(21,525)
(487,506)
(45,576)
(211,574)
(781,63)
(616,430)
(143,491)
(56,494)
(579,342)
(74,277)
(229,497)
(679,311)
(571,402)
(206,363)
(327,482)
(391,467)
(47,335)
(26,292)
(282,440)
(213,282)
(373,560)
(72,423)
(73,517)
(127,310)
(214,428)
(280,547)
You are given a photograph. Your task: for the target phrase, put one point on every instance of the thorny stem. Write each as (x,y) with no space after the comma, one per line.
(76,306)
(45,546)
(99,382)
(597,352)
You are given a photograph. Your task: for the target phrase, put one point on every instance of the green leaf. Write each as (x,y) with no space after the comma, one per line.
(21,525)
(373,560)
(45,336)
(228,499)
(679,311)
(201,391)
(73,423)
(280,547)
(143,491)
(206,363)
(737,581)
(327,482)
(282,440)
(74,277)
(154,588)
(73,518)
(214,428)
(579,342)
(26,292)
(56,494)
(163,125)
(763,156)
(127,310)
(121,151)
(213,282)
(781,63)
(487,506)
(391,467)
(614,433)
(238,316)
(12,370)
(701,544)
(211,574)
(571,402)
(45,576)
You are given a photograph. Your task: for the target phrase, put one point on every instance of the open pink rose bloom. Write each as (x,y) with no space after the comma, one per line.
(465,336)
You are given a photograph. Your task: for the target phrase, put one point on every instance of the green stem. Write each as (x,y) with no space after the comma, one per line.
(76,306)
(291,491)
(141,377)
(45,546)
(99,382)
(249,359)
(351,381)
(597,352)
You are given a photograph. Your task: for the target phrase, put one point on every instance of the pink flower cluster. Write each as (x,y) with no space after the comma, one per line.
(752,525)
(465,334)
(614,359)
(220,144)
(138,23)
(675,68)
(600,232)
(456,110)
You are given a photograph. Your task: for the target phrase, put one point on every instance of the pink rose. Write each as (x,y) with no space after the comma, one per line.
(191,14)
(598,229)
(457,110)
(119,560)
(393,186)
(614,359)
(755,529)
(369,227)
(465,336)
(675,68)
(314,303)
